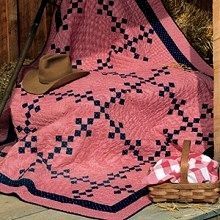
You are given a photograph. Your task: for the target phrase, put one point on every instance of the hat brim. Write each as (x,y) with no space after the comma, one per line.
(31,83)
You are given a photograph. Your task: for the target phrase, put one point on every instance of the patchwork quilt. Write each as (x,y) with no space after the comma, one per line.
(85,148)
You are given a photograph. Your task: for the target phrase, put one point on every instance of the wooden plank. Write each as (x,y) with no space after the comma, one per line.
(12,32)
(27,13)
(216,59)
(193,212)
(3,32)
(188,211)
(53,215)
(8,30)
(13,208)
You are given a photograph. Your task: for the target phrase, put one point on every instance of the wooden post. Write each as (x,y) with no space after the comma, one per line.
(12,31)
(3,32)
(216,59)
(8,29)
(27,11)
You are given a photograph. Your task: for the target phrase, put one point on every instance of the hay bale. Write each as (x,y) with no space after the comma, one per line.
(194,18)
(6,71)
(5,75)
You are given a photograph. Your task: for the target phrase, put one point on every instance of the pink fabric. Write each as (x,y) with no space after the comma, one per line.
(85,148)
(201,169)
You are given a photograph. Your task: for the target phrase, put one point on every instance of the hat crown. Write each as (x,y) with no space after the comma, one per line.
(54,66)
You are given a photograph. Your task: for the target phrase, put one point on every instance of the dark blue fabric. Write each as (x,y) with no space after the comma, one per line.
(29,184)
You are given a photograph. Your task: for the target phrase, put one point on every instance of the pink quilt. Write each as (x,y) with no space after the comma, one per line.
(84,148)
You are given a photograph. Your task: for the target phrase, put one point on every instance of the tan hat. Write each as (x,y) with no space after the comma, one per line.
(54,70)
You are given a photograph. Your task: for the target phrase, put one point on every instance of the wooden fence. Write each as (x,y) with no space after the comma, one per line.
(16,17)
